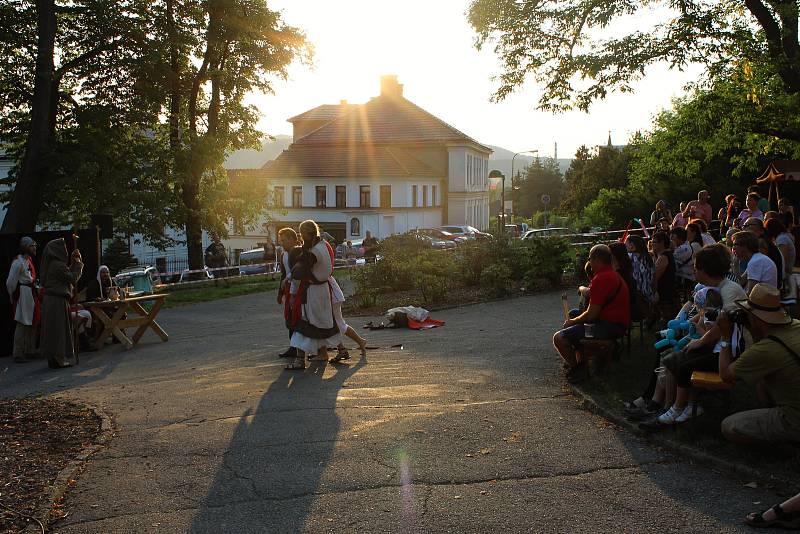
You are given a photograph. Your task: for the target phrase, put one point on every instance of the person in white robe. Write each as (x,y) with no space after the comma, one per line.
(21,285)
(316,329)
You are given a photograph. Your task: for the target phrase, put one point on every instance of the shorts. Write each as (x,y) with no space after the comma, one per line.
(602,330)
(764,424)
(681,364)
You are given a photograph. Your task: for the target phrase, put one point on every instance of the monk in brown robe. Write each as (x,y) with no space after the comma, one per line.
(59,275)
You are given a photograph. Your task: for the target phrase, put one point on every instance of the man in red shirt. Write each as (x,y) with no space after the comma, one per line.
(608,314)
(699,209)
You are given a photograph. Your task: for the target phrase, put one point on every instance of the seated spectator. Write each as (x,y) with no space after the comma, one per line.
(725,214)
(694,236)
(608,313)
(786,210)
(705,238)
(663,225)
(711,266)
(680,221)
(750,211)
(772,364)
(661,212)
(760,268)
(621,262)
(763,203)
(700,208)
(642,267)
(664,276)
(770,249)
(684,254)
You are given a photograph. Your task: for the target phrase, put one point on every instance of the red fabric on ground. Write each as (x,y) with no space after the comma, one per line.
(424,325)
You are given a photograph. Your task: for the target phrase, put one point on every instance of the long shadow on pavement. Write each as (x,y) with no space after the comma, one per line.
(277,454)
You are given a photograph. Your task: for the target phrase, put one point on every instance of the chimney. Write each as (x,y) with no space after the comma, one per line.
(390,87)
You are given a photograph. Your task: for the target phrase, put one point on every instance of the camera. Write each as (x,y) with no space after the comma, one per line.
(737,317)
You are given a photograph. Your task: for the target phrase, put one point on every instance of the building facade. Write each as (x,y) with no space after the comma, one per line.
(386,166)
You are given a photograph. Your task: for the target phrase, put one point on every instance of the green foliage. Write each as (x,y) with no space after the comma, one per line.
(117,257)
(434,273)
(541,177)
(496,279)
(614,208)
(589,173)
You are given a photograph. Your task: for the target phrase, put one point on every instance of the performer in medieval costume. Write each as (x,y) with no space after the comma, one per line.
(98,288)
(290,253)
(345,329)
(21,285)
(59,277)
(314,328)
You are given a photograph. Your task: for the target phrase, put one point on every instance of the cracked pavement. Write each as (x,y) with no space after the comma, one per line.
(465,429)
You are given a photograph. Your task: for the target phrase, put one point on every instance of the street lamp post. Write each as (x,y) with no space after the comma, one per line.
(534,151)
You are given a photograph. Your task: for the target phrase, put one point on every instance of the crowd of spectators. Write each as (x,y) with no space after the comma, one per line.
(723,303)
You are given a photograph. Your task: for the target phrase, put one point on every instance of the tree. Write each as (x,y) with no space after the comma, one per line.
(589,173)
(59,44)
(564,44)
(542,177)
(228,49)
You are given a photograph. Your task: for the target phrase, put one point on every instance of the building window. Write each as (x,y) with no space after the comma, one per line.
(386,196)
(341,196)
(297,196)
(364,196)
(279,196)
(433,196)
(322,193)
(355,227)
(424,196)
(414,200)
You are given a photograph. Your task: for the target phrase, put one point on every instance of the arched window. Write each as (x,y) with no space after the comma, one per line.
(355,226)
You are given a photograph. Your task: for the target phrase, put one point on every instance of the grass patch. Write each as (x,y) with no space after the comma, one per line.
(221,290)
(626,379)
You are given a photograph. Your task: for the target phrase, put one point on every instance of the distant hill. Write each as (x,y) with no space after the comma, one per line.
(255,159)
(501,161)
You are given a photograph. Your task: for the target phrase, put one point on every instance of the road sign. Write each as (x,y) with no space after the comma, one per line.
(545,199)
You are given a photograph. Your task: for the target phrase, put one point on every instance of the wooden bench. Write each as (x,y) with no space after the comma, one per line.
(599,350)
(711,381)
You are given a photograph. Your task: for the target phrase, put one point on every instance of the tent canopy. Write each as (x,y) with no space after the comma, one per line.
(787,170)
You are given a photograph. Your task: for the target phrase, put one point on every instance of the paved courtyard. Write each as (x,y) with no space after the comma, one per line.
(465,429)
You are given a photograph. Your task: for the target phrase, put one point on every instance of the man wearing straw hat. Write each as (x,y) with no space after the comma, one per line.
(772,363)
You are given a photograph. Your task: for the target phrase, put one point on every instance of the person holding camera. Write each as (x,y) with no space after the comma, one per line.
(771,363)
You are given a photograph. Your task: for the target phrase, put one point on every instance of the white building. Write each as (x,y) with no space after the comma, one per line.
(386,166)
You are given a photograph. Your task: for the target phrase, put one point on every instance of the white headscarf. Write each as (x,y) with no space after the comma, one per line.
(100,280)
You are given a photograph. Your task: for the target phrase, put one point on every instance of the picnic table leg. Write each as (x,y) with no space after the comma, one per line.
(151,322)
(100,313)
(111,328)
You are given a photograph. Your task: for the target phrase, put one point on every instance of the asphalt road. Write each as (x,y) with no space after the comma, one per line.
(467,428)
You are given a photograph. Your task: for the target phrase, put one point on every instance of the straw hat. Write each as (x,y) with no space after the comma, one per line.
(764,302)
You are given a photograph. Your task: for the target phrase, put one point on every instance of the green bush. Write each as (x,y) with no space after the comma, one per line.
(471,259)
(496,279)
(434,274)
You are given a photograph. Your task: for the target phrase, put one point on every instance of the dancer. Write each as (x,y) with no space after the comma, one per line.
(287,238)
(312,308)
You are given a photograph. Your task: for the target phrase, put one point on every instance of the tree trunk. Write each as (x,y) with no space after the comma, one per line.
(23,210)
(194,225)
(175,96)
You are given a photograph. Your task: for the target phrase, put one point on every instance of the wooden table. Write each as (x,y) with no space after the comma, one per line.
(111,312)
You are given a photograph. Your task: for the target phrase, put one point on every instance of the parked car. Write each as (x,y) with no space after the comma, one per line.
(438,244)
(466,231)
(546,232)
(141,278)
(358,244)
(253,262)
(441,235)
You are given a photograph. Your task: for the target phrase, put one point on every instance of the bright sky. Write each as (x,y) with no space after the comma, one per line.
(429,45)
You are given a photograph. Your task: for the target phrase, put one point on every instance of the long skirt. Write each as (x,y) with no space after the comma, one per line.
(56,334)
(318,312)
(24,340)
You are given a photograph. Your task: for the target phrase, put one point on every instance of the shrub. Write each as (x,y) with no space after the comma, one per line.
(471,259)
(496,279)
(434,274)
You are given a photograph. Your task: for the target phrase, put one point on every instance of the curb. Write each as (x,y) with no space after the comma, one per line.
(62,482)
(589,403)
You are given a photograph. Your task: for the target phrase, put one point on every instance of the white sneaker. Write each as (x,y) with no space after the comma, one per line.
(669,417)
(687,413)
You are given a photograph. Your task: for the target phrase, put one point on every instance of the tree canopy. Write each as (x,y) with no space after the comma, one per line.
(574,49)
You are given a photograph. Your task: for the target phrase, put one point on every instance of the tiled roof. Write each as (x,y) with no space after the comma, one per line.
(385,119)
(325,112)
(350,161)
